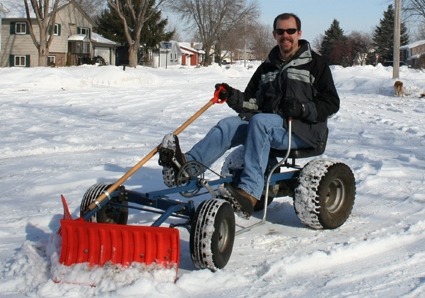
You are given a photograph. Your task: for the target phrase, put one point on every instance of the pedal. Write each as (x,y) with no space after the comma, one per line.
(223,193)
(166,156)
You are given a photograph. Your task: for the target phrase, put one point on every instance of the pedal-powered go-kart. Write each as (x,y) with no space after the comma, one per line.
(323,191)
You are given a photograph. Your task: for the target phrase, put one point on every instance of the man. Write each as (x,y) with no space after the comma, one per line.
(292,82)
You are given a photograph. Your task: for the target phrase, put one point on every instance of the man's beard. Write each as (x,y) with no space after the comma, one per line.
(287,49)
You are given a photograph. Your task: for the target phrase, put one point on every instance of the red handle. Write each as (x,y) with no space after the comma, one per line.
(216,98)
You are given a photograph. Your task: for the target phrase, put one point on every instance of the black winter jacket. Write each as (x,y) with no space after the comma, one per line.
(306,77)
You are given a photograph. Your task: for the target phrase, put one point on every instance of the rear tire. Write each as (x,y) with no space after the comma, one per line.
(110,213)
(325,195)
(212,234)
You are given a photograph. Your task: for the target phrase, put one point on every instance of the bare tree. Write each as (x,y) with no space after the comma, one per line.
(229,42)
(420,33)
(262,40)
(45,15)
(251,37)
(317,43)
(138,11)
(360,45)
(214,19)
(414,9)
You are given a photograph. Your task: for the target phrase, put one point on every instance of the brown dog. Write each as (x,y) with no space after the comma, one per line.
(398,88)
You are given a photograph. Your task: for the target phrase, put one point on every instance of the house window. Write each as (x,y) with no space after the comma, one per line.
(20,28)
(20,61)
(85,31)
(79,47)
(57,29)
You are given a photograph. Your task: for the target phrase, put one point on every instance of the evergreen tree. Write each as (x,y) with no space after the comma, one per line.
(154,31)
(110,26)
(334,47)
(383,37)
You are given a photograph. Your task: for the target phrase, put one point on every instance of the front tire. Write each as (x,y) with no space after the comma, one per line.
(110,213)
(325,195)
(212,234)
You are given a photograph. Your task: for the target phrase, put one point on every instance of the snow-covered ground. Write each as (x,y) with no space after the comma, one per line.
(64,129)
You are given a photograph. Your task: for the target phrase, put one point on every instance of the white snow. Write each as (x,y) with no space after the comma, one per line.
(64,129)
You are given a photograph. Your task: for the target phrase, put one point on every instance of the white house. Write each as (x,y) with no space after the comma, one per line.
(73,41)
(169,54)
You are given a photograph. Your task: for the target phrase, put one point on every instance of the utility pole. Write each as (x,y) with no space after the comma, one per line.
(396,53)
(244,43)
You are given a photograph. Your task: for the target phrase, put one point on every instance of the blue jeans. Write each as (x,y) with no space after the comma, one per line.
(258,135)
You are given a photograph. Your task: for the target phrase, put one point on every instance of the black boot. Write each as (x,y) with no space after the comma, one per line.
(171,158)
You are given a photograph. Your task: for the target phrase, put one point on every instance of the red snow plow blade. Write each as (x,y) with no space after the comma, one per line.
(98,243)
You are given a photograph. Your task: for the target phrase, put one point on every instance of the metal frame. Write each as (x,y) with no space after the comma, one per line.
(158,201)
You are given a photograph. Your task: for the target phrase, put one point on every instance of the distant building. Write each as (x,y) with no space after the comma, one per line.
(73,42)
(168,54)
(104,48)
(178,53)
(413,54)
(192,53)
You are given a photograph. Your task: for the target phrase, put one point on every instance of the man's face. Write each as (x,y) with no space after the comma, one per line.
(287,42)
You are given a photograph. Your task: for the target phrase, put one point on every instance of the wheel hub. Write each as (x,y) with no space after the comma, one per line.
(335,196)
(223,236)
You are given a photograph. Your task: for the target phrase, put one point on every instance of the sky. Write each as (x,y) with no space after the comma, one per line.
(317,15)
(65,129)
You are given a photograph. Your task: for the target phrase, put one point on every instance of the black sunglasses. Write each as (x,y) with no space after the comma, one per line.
(290,31)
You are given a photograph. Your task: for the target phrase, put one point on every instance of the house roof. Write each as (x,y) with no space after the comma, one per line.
(15,9)
(77,37)
(413,44)
(185,51)
(188,46)
(97,38)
